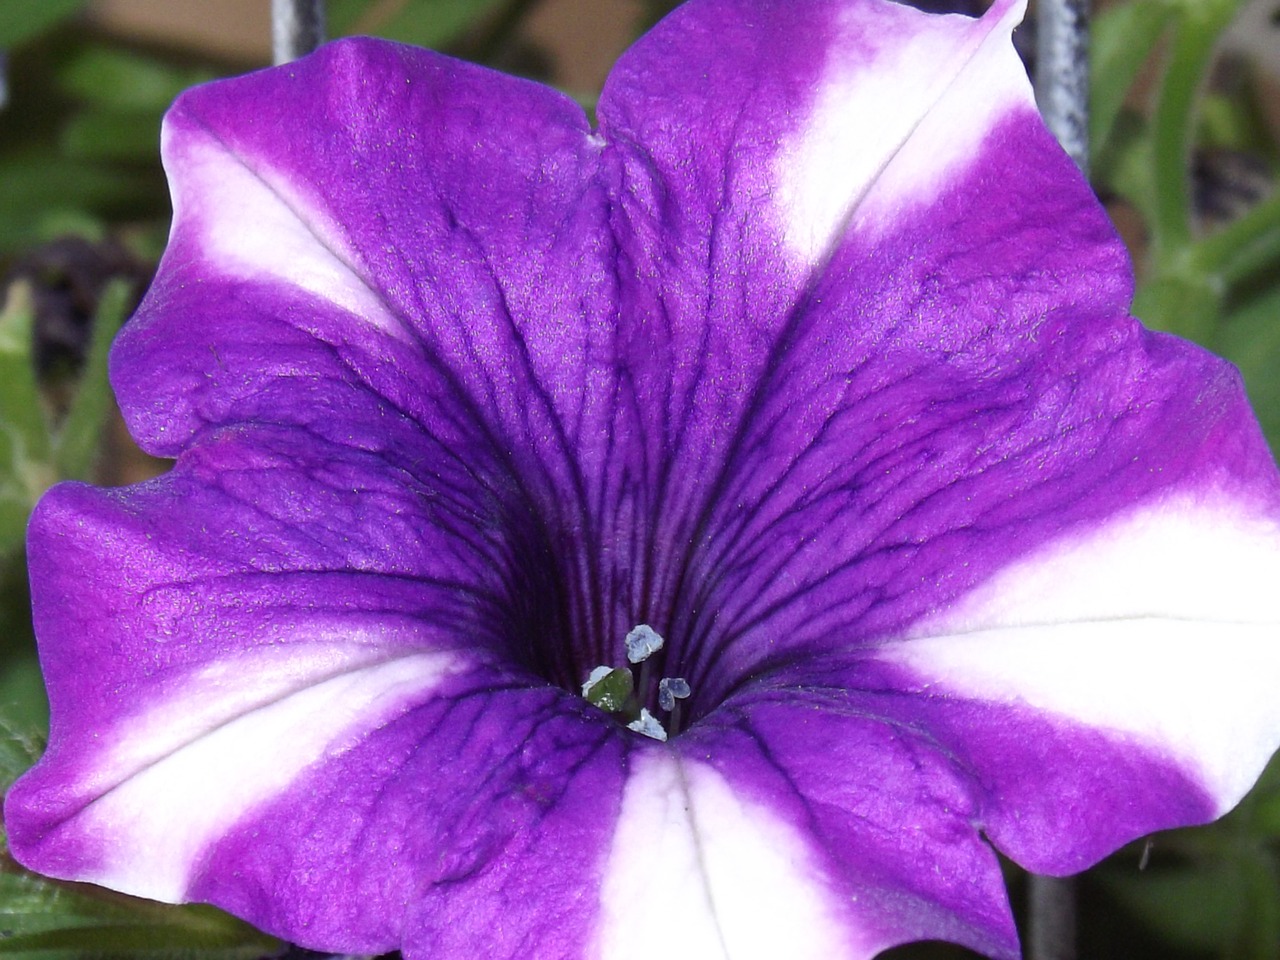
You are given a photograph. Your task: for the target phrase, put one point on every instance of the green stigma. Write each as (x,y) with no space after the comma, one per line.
(609,689)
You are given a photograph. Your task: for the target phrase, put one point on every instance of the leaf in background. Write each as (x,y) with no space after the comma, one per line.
(41,192)
(1250,338)
(79,437)
(1235,121)
(44,920)
(427,23)
(342,16)
(21,20)
(25,467)
(108,135)
(22,696)
(1193,42)
(126,81)
(1229,907)
(1122,39)
(1123,164)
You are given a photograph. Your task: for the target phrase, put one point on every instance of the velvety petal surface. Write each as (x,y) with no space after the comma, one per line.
(815,357)
(302,704)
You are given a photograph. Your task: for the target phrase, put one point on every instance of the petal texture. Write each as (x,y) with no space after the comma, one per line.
(815,357)
(285,723)
(1157,629)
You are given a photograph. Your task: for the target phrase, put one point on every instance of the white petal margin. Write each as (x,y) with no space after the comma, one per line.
(193,766)
(252,224)
(891,127)
(729,879)
(1163,625)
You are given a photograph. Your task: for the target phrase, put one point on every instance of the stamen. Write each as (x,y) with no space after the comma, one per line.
(648,725)
(594,677)
(671,689)
(642,642)
(616,691)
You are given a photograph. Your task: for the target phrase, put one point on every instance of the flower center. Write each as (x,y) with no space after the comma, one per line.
(620,692)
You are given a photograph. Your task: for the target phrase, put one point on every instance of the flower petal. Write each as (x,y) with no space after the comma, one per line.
(799,816)
(281,668)
(481,816)
(1158,630)
(362,255)
(854,441)
(463,393)
(729,878)
(804,403)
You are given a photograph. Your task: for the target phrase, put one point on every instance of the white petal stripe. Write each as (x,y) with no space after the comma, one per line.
(162,818)
(928,123)
(1164,624)
(253,229)
(728,877)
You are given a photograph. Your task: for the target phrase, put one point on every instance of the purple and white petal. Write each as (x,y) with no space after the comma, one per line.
(314,720)
(1157,629)
(814,361)
(727,876)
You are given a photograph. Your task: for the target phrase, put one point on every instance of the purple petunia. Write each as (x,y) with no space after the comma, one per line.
(794,414)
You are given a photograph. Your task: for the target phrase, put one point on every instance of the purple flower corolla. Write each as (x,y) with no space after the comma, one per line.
(814,359)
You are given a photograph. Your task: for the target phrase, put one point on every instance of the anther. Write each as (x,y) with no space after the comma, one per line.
(671,689)
(642,642)
(647,724)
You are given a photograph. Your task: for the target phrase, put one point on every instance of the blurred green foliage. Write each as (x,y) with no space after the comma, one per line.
(79,156)
(1211,279)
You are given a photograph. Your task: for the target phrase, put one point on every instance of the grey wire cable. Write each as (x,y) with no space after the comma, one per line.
(297,28)
(1062,73)
(4,79)
(1062,93)
(1051,918)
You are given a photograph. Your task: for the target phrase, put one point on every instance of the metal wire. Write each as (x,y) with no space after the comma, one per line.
(1062,73)
(297,28)
(1062,93)
(1051,918)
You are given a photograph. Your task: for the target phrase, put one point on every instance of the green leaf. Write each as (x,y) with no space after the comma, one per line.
(113,135)
(21,744)
(1173,124)
(1246,248)
(79,438)
(23,705)
(427,23)
(1229,906)
(1235,121)
(25,456)
(1122,39)
(1180,298)
(1122,165)
(126,81)
(1249,337)
(344,16)
(42,919)
(40,189)
(22,20)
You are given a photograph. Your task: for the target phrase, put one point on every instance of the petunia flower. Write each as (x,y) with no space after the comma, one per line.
(813,360)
